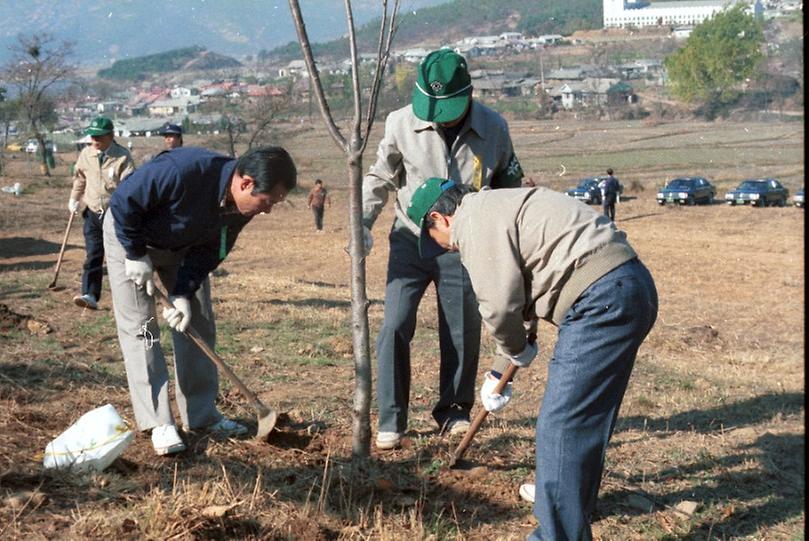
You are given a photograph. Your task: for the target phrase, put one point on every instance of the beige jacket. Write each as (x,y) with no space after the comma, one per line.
(413,150)
(93,184)
(530,253)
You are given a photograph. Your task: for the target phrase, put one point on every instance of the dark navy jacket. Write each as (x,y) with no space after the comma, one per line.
(174,202)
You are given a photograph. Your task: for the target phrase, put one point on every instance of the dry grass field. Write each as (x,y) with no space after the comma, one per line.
(710,441)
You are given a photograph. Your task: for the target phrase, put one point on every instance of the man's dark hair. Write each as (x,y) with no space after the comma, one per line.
(609,170)
(268,166)
(318,181)
(448,202)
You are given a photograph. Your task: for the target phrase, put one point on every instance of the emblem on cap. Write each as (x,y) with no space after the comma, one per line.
(436,86)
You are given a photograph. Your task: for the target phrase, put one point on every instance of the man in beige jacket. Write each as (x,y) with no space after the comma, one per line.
(101,166)
(533,253)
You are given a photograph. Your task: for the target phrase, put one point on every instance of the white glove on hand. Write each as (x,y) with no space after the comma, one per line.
(491,401)
(368,239)
(525,357)
(72,205)
(140,271)
(179,315)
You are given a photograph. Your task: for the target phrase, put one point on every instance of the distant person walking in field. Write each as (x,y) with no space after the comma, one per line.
(172,136)
(179,216)
(610,191)
(443,132)
(532,254)
(318,197)
(100,167)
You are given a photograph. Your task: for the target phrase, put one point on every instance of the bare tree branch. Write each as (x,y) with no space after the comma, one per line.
(355,72)
(383,55)
(314,76)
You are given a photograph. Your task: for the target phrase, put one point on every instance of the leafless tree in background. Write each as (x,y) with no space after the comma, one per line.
(37,64)
(354,146)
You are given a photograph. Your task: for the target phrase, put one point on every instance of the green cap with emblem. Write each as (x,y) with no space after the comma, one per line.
(421,202)
(100,125)
(442,88)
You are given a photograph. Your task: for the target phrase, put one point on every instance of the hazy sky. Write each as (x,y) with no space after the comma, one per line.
(104,31)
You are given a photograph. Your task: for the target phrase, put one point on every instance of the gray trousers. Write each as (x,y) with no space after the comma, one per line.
(458,333)
(197,380)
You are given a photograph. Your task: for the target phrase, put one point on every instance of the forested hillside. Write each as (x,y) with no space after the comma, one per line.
(137,68)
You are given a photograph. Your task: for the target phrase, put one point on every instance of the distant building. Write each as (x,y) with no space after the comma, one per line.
(682,32)
(587,93)
(549,39)
(173,106)
(295,67)
(640,13)
(183,92)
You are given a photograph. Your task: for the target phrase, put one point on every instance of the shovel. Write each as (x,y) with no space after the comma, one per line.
(480,417)
(266,416)
(52,285)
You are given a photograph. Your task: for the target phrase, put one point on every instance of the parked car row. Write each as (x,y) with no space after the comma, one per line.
(761,192)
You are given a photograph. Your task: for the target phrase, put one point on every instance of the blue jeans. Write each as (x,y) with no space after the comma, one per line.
(458,333)
(93,271)
(587,377)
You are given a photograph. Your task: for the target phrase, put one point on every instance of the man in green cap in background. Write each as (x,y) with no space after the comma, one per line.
(445,133)
(101,166)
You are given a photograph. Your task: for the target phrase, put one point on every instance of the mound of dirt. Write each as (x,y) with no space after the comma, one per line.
(10,320)
(701,335)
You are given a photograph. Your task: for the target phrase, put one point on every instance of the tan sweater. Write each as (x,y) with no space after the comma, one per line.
(530,253)
(413,150)
(93,184)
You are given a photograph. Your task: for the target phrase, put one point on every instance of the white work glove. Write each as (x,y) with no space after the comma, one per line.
(367,239)
(524,358)
(179,315)
(140,271)
(490,400)
(72,206)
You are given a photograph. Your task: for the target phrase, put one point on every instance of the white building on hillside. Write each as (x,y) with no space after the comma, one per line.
(639,13)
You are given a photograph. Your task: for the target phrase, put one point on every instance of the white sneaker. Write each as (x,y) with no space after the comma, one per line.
(86,301)
(388,440)
(527,492)
(166,440)
(226,428)
(459,426)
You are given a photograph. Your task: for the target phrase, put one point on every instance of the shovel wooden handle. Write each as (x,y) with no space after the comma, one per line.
(481,416)
(62,251)
(217,360)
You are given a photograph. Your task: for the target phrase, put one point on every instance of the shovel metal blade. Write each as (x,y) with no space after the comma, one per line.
(266,422)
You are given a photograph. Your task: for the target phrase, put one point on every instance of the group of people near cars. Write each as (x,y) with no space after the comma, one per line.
(497,253)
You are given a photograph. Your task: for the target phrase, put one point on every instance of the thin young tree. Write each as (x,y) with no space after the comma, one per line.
(38,63)
(353,146)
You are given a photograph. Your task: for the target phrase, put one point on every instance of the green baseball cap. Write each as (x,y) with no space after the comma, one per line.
(442,88)
(422,201)
(100,125)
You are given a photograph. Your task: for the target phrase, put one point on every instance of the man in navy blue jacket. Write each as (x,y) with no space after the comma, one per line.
(178,217)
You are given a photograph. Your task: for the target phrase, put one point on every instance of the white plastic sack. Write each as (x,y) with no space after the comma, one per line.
(91,443)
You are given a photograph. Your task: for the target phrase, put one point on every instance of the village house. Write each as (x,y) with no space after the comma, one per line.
(294,68)
(592,92)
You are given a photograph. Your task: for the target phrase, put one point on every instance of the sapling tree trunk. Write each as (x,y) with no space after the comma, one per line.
(353,147)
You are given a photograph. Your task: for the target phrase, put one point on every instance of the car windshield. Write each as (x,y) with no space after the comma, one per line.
(753,185)
(680,184)
(586,183)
